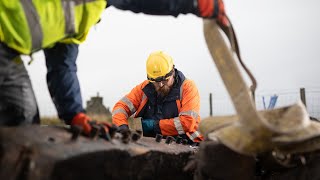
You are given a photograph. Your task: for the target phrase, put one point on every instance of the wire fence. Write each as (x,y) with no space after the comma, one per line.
(222,105)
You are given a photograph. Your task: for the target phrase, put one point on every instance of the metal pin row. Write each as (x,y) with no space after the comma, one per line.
(170,139)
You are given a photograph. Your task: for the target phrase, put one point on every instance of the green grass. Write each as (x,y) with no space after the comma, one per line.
(51,120)
(134,124)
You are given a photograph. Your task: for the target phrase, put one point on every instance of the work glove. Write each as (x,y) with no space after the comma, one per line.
(90,127)
(148,125)
(213,9)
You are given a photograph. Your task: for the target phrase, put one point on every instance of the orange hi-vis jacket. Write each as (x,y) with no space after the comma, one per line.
(178,112)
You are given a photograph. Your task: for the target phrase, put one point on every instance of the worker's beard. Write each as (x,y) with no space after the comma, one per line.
(163,91)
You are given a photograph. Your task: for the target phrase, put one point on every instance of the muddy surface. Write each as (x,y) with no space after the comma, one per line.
(35,152)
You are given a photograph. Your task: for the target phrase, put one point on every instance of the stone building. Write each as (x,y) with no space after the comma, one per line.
(96,109)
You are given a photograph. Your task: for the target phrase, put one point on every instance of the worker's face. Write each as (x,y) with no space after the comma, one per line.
(163,88)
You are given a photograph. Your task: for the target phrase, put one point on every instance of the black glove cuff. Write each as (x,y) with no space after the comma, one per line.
(123,127)
(156,127)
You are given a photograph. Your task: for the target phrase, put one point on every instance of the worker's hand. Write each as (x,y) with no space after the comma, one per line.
(83,121)
(91,127)
(148,125)
(213,9)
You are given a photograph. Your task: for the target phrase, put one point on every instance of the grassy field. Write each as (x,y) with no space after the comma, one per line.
(133,123)
(51,121)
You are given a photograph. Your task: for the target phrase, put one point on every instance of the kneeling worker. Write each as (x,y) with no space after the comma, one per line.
(167,102)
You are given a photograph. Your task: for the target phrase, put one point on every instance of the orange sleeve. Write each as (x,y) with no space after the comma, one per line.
(190,107)
(127,105)
(189,118)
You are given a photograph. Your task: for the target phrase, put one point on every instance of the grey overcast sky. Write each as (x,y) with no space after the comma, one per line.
(279,42)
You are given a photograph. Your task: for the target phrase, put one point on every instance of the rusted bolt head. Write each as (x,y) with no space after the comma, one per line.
(76,131)
(125,136)
(135,136)
(113,129)
(158,138)
(184,141)
(179,140)
(169,139)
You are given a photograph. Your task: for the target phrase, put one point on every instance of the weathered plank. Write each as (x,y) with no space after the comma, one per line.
(35,152)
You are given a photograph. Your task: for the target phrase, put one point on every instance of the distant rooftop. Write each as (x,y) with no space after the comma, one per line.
(95,107)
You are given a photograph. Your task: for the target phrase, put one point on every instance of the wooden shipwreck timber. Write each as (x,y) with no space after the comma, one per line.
(35,152)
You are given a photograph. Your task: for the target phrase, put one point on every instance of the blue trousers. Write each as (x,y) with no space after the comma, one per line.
(18,104)
(63,81)
(17,100)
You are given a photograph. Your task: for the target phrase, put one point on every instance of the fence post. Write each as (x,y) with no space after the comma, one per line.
(253,97)
(253,94)
(210,103)
(303,96)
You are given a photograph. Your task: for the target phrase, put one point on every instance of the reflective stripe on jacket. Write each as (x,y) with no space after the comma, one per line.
(178,112)
(30,25)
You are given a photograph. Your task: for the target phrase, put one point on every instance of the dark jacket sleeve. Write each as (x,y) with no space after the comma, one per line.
(157,7)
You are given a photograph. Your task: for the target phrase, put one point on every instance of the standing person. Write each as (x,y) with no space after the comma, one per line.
(57,27)
(167,102)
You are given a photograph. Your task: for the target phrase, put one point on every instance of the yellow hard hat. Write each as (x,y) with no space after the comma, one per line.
(159,66)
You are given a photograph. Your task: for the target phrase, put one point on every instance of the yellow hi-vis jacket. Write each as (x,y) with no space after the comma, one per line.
(31,25)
